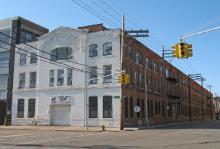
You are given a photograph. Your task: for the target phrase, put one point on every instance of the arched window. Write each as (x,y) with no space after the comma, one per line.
(93,50)
(62,53)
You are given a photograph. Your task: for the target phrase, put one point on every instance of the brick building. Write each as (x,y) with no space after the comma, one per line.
(171,96)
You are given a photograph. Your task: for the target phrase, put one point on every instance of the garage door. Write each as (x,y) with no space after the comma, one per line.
(60,115)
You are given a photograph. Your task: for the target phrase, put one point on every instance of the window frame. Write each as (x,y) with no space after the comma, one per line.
(93,50)
(107,107)
(31,114)
(107,48)
(60,77)
(93,107)
(107,79)
(20,108)
(34,80)
(22,80)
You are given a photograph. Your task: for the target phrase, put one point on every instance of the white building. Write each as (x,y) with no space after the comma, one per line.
(47,94)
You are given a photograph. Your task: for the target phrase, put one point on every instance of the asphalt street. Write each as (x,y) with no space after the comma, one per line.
(199,135)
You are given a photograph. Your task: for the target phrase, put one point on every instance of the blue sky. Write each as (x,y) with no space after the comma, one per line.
(165,19)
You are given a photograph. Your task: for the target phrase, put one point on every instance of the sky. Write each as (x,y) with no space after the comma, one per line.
(166,21)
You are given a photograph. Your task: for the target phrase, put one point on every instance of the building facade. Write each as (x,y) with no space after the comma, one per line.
(48,94)
(13,31)
(77,85)
(216,103)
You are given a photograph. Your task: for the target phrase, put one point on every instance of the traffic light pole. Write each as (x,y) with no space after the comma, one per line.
(121,62)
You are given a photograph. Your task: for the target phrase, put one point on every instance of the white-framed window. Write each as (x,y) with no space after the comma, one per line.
(33,58)
(23,59)
(20,108)
(69,76)
(107,72)
(107,106)
(21,80)
(51,78)
(93,107)
(31,107)
(107,48)
(93,75)
(33,77)
(60,77)
(93,52)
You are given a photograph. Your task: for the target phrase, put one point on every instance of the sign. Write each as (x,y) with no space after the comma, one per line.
(60,99)
(137,109)
(117,97)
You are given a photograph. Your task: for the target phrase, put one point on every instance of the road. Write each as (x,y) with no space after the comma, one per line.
(200,135)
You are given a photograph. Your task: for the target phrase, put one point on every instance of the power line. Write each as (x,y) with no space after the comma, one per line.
(67,66)
(46,52)
(104,10)
(94,12)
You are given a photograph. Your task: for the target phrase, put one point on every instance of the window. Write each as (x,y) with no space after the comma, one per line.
(63,53)
(107,48)
(143,108)
(107,73)
(31,108)
(20,110)
(51,77)
(93,75)
(23,59)
(3,82)
(126,107)
(21,80)
(33,59)
(107,106)
(138,58)
(69,76)
(131,107)
(26,36)
(128,52)
(93,107)
(157,107)
(33,79)
(4,58)
(6,41)
(93,50)
(146,62)
(60,77)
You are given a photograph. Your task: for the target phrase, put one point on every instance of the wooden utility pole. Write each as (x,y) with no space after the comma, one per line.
(121,61)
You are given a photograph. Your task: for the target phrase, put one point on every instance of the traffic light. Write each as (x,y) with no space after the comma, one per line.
(188,50)
(182,51)
(175,51)
(123,78)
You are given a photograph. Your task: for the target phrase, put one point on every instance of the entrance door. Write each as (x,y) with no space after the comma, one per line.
(2,112)
(60,115)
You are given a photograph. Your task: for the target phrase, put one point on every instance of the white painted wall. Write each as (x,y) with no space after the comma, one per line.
(79,41)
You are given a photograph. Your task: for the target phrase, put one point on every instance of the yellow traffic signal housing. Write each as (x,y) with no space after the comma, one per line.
(176,51)
(188,50)
(124,78)
(182,50)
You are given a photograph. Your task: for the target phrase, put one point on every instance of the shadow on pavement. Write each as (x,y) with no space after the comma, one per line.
(192,125)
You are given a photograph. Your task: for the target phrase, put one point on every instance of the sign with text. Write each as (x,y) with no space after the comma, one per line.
(60,99)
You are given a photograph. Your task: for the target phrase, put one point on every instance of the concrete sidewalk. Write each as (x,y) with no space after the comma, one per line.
(59,128)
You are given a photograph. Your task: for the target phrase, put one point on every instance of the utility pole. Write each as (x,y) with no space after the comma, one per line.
(146,104)
(121,62)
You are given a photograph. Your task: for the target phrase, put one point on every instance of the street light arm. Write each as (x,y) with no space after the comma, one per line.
(198,33)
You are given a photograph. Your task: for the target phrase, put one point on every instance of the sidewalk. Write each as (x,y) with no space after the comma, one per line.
(59,128)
